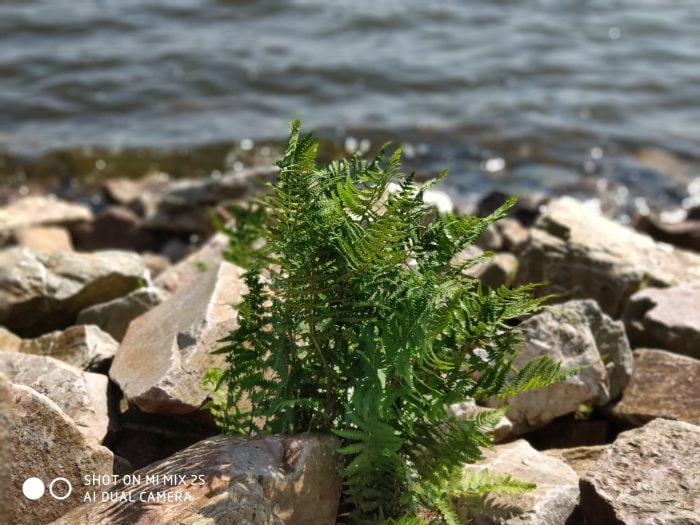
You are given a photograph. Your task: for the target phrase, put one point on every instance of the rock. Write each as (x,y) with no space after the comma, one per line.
(41,211)
(663,385)
(192,267)
(440,200)
(165,352)
(46,444)
(513,234)
(82,396)
(525,211)
(648,475)
(499,270)
(469,410)
(572,431)
(685,234)
(40,292)
(575,333)
(666,318)
(551,503)
(155,263)
(44,238)
(83,346)
(271,480)
(9,342)
(581,254)
(581,459)
(115,227)
(114,316)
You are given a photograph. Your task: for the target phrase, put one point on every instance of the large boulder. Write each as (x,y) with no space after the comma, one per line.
(552,502)
(43,238)
(209,255)
(165,352)
(82,396)
(46,444)
(40,292)
(667,318)
(114,316)
(9,342)
(576,333)
(581,254)
(41,211)
(84,346)
(230,481)
(663,384)
(648,475)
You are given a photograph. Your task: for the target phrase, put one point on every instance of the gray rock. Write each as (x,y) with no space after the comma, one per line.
(114,316)
(581,254)
(551,503)
(84,346)
(575,333)
(664,385)
(165,352)
(649,475)
(666,318)
(82,396)
(41,211)
(266,481)
(41,292)
(47,444)
(192,267)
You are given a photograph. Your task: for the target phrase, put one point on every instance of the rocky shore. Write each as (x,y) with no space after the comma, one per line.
(108,317)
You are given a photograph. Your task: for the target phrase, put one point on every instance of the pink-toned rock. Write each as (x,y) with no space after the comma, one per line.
(44,238)
(82,396)
(41,441)
(648,475)
(165,352)
(667,318)
(664,385)
(264,481)
(192,267)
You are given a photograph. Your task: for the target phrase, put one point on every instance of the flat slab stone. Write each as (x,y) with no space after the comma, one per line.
(41,211)
(41,292)
(581,459)
(165,352)
(272,481)
(551,503)
(581,254)
(82,396)
(664,385)
(667,318)
(648,475)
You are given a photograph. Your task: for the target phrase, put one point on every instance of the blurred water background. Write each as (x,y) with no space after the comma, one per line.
(593,97)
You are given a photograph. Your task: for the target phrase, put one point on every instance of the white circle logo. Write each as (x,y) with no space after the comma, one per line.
(33,488)
(64,496)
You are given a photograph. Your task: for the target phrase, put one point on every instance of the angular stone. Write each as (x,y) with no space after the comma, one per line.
(82,396)
(41,292)
(84,346)
(44,238)
(41,211)
(685,234)
(581,254)
(9,342)
(192,267)
(165,352)
(551,503)
(648,475)
(271,480)
(45,444)
(155,263)
(663,385)
(666,318)
(469,410)
(114,316)
(581,459)
(575,333)
(114,228)
(499,270)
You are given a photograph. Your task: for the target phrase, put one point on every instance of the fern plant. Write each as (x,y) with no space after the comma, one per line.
(357,321)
